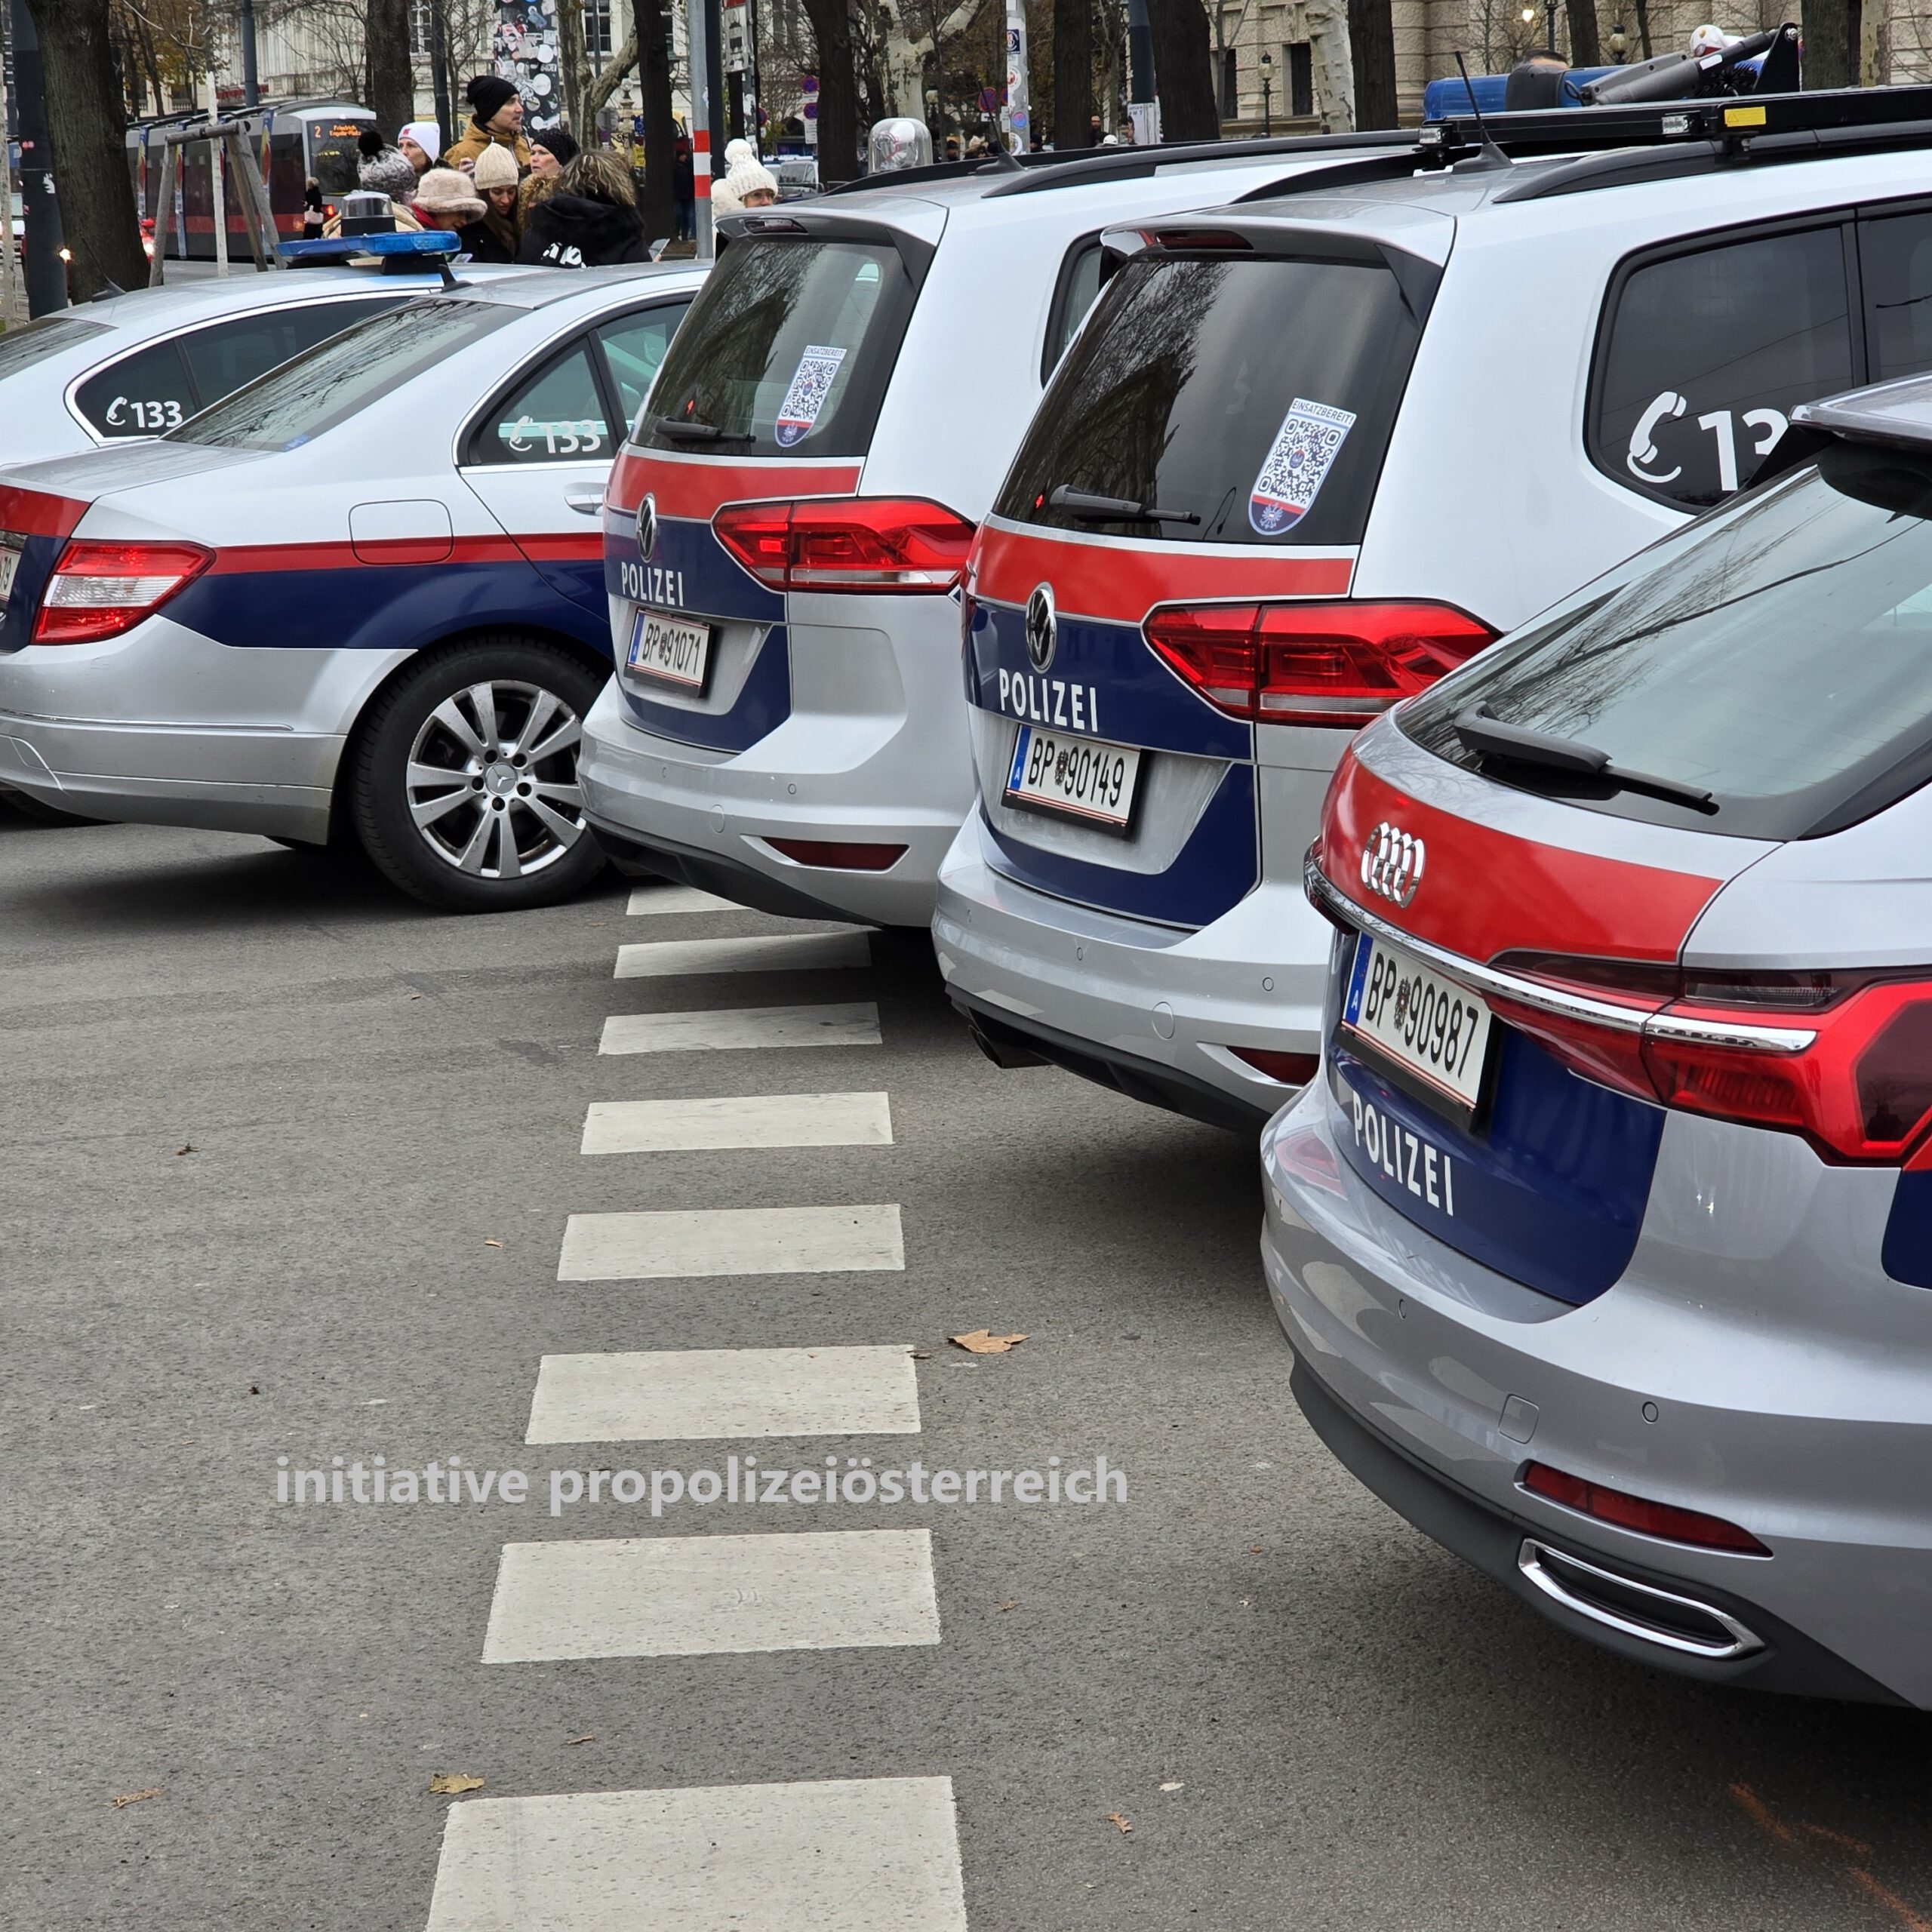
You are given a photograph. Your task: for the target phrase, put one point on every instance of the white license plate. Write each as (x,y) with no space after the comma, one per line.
(1428,1026)
(9,564)
(668,650)
(1082,777)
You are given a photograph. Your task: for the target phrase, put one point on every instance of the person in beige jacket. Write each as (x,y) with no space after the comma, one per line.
(495,118)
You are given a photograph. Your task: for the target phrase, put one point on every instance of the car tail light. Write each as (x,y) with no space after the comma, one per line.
(897,544)
(1844,1058)
(839,854)
(1291,1069)
(99,590)
(1634,1512)
(1296,664)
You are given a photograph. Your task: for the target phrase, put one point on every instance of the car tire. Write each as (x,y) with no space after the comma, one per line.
(462,782)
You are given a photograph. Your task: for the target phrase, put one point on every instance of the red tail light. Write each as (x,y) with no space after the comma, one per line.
(839,854)
(1854,1077)
(1291,1069)
(99,590)
(1633,1512)
(899,544)
(1312,663)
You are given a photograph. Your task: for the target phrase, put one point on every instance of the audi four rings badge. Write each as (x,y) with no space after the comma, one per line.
(647,527)
(1040,626)
(1391,862)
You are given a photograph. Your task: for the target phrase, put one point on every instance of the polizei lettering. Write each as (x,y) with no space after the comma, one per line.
(1408,1159)
(1049,701)
(651,583)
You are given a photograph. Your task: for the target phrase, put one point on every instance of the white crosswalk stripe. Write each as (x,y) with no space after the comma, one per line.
(696,1394)
(732,1121)
(663,1243)
(850,1855)
(668,898)
(662,1596)
(766,952)
(853,1025)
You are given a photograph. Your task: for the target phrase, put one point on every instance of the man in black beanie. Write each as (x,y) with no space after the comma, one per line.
(496,115)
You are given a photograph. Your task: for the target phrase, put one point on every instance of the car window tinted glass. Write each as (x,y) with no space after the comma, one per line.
(1779,656)
(790,348)
(557,416)
(140,395)
(1079,288)
(634,348)
(222,358)
(22,347)
(344,375)
(1253,398)
(1708,353)
(1895,261)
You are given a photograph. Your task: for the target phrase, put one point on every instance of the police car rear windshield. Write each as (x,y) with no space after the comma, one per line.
(1777,656)
(788,351)
(1244,400)
(33,342)
(344,375)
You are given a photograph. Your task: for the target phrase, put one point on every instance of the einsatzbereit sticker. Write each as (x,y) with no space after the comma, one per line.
(811,383)
(1297,463)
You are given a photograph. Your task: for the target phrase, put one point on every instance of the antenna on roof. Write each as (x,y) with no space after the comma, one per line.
(1492,156)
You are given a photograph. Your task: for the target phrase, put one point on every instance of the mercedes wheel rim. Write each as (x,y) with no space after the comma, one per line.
(492,780)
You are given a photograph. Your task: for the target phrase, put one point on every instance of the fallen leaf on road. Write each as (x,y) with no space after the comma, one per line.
(452,1784)
(982,1342)
(1172,1784)
(1013,1605)
(1254,1549)
(415,995)
(492,1244)
(1114,1818)
(595,923)
(253,1390)
(589,1737)
(139,1796)
(922,1355)
(187,1148)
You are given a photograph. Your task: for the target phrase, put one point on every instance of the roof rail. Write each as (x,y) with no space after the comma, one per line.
(1128,164)
(937,171)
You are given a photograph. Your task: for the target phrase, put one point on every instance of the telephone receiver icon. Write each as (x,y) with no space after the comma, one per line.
(1643,445)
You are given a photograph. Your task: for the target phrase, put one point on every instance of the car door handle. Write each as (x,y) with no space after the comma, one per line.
(585,502)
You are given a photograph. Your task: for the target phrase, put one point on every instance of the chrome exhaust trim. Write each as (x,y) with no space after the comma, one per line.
(1544,1568)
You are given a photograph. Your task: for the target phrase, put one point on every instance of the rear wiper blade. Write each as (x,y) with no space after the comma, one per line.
(1490,736)
(1113,509)
(684,429)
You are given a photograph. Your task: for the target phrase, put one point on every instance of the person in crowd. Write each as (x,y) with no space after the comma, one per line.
(724,199)
(750,184)
(537,185)
(684,187)
(1535,81)
(1094,131)
(552,152)
(952,147)
(495,118)
(383,169)
(589,221)
(315,210)
(421,143)
(446,199)
(493,237)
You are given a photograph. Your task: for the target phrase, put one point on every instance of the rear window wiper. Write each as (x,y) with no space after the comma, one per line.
(1113,509)
(1490,737)
(684,429)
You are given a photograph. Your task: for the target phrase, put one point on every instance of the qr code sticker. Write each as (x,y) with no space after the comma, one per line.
(810,383)
(1298,462)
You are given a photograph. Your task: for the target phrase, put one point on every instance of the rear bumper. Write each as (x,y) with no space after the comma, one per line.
(1150,1011)
(1718,1382)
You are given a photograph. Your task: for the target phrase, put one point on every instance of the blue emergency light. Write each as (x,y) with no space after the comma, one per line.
(340,247)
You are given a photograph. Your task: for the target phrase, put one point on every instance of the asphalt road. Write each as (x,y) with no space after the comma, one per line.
(1309,1716)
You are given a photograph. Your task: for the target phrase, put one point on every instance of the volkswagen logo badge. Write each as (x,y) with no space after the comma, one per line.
(1041,627)
(1391,862)
(647,528)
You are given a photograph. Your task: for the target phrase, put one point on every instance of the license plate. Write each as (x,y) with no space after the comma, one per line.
(9,564)
(1417,1022)
(1079,777)
(669,651)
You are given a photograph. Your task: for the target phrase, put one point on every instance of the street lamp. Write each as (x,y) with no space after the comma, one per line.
(1267,80)
(1618,41)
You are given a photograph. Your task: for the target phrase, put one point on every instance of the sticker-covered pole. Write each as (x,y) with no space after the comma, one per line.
(1018,118)
(698,61)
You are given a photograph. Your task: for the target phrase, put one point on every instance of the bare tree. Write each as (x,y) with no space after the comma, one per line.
(391,77)
(1372,40)
(1831,43)
(86,115)
(1073,72)
(838,89)
(1183,75)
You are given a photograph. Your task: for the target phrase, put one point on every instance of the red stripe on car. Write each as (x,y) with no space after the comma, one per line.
(697,487)
(35,513)
(1121,583)
(1482,892)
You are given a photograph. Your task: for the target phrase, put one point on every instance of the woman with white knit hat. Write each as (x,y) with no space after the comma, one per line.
(421,142)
